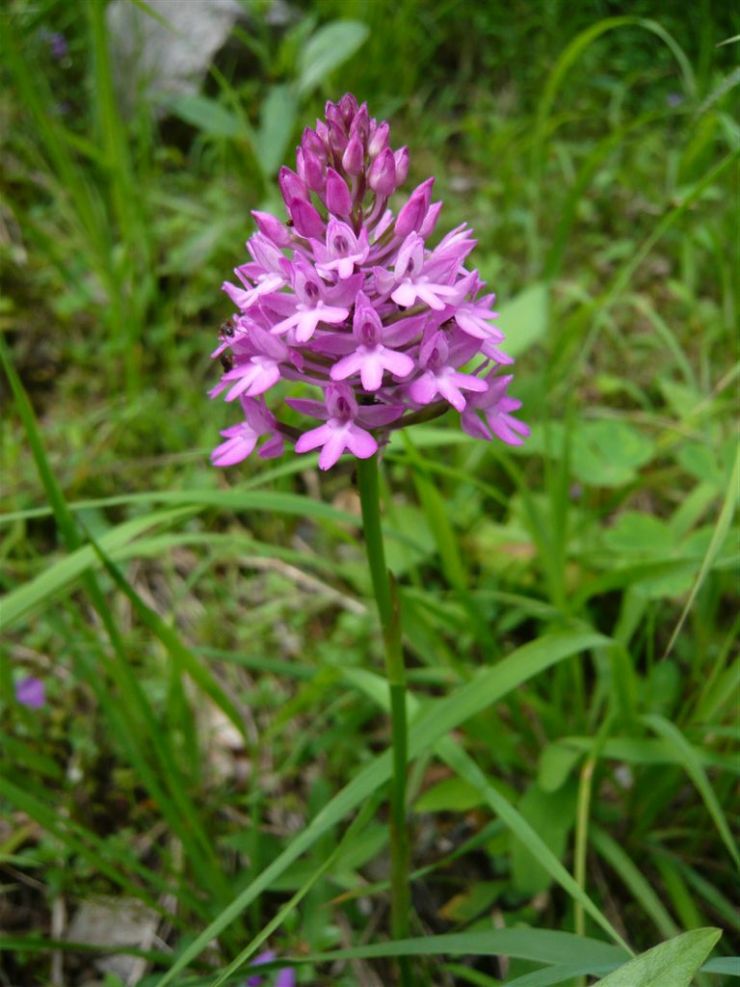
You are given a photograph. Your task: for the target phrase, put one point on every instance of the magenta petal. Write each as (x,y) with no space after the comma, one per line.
(347,366)
(399,364)
(334,447)
(360,442)
(234,450)
(424,389)
(314,438)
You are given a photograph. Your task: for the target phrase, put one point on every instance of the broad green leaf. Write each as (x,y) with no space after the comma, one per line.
(608,453)
(639,534)
(207,115)
(277,120)
(551,815)
(450,795)
(671,964)
(556,763)
(524,319)
(327,49)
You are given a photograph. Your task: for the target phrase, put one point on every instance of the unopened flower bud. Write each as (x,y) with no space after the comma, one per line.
(402,164)
(306,218)
(271,227)
(338,198)
(337,138)
(353,158)
(310,169)
(378,139)
(348,107)
(382,175)
(291,186)
(412,215)
(310,141)
(361,123)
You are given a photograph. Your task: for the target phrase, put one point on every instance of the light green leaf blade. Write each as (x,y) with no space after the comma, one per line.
(671,964)
(525,318)
(327,49)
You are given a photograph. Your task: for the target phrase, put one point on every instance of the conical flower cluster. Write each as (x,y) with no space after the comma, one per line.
(348,297)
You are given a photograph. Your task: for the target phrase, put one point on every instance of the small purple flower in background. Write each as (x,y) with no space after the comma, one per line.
(348,298)
(57,43)
(285,977)
(30,692)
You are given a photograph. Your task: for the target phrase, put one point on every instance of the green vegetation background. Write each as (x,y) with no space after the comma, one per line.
(210,654)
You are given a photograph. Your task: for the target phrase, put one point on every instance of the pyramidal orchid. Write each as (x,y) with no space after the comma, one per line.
(350,298)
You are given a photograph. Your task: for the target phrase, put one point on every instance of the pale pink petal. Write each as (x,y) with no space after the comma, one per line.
(360,442)
(371,370)
(424,389)
(316,437)
(346,366)
(399,364)
(334,447)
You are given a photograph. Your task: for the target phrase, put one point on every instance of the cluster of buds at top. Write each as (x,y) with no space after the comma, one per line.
(347,297)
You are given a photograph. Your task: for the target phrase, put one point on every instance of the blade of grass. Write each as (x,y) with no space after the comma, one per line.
(687,756)
(486,688)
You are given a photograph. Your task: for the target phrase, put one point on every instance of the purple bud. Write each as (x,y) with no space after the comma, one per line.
(310,141)
(382,175)
(310,169)
(430,220)
(361,123)
(338,199)
(271,227)
(333,114)
(402,164)
(411,216)
(306,219)
(291,186)
(348,107)
(322,132)
(337,138)
(353,158)
(378,139)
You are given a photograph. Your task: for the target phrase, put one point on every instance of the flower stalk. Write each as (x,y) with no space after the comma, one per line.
(386,598)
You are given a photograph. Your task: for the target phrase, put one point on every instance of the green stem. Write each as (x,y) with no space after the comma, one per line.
(386,598)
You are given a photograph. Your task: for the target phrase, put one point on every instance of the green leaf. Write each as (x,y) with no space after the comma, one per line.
(537,945)
(277,120)
(608,453)
(450,795)
(208,115)
(524,320)
(23,600)
(327,49)
(442,716)
(556,763)
(551,815)
(639,534)
(671,964)
(691,763)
